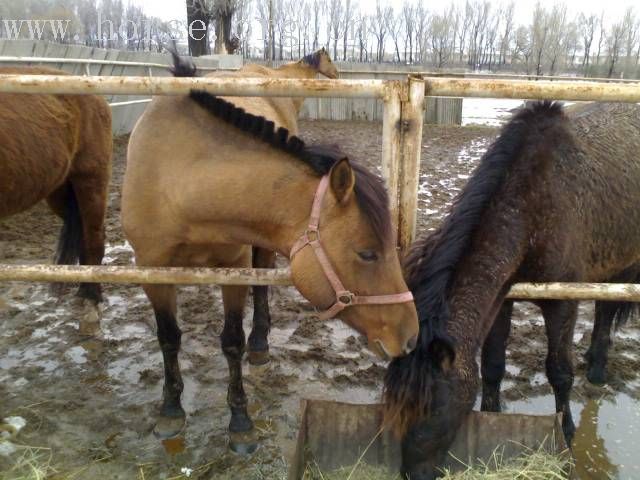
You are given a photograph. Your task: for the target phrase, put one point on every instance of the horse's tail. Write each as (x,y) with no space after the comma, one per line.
(70,241)
(622,311)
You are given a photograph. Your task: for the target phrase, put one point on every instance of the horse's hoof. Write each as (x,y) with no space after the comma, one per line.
(169,427)
(258,358)
(597,376)
(89,316)
(243,443)
(240,424)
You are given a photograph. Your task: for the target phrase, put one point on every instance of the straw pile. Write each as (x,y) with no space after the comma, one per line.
(534,465)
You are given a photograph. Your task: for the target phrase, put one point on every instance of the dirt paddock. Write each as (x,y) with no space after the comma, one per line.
(90,404)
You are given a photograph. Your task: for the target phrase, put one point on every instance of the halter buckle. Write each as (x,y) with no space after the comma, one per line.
(312,235)
(345,298)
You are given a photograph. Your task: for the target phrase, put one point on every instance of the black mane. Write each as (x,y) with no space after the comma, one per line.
(433,260)
(369,189)
(313,59)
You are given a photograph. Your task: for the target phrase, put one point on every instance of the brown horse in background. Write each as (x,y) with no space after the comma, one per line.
(206,179)
(555,199)
(58,148)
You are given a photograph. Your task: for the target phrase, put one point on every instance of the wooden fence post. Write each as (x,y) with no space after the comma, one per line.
(391,146)
(412,118)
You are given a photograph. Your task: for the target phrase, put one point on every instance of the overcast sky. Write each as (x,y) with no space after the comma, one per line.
(176,10)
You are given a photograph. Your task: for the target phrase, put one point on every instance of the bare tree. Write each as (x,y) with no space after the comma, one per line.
(395,27)
(507,29)
(556,33)
(587,27)
(442,37)
(422,25)
(378,27)
(467,17)
(409,19)
(318,6)
(198,19)
(614,45)
(631,27)
(362,32)
(480,15)
(539,36)
(601,37)
(347,25)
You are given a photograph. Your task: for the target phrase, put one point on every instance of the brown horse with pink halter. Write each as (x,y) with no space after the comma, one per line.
(206,179)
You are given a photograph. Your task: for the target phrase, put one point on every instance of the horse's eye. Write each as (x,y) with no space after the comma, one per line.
(368,255)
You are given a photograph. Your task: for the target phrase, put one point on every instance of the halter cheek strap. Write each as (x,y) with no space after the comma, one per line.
(344,298)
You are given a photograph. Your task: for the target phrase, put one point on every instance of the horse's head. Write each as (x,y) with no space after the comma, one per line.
(357,237)
(428,395)
(321,62)
(325,66)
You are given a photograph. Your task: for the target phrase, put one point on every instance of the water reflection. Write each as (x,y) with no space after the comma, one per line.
(592,458)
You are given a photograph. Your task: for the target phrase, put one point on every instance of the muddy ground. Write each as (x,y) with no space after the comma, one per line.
(90,404)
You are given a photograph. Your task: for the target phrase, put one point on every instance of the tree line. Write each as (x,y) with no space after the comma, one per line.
(476,35)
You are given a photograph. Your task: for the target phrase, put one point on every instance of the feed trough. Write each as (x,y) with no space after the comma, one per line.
(334,435)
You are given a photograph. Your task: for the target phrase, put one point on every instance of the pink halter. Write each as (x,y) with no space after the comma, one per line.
(344,298)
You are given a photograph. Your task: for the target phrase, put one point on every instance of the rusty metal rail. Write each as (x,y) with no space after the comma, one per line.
(278,276)
(541,90)
(447,87)
(246,87)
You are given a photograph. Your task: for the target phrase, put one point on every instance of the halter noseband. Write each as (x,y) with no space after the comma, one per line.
(344,298)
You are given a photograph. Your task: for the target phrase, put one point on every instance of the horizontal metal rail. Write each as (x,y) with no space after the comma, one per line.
(524,89)
(90,61)
(279,276)
(160,275)
(247,87)
(492,76)
(290,87)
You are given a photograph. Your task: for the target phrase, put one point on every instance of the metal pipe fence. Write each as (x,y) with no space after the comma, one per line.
(402,132)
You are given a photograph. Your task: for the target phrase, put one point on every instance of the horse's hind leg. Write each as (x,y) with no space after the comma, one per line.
(560,319)
(258,338)
(494,358)
(598,351)
(171,420)
(91,196)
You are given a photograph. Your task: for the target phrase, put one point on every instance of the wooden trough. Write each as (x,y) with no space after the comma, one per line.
(334,435)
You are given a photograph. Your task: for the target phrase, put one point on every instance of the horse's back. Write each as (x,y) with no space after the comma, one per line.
(588,193)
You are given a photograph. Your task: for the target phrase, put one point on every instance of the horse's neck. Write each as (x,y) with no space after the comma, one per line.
(275,212)
(481,283)
(296,70)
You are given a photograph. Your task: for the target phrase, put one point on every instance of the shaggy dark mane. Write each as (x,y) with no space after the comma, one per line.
(369,189)
(433,260)
(313,59)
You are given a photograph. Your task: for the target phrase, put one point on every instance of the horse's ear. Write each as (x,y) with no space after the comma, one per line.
(442,353)
(342,180)
(322,50)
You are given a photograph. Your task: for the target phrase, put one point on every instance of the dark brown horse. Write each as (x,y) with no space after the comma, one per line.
(206,179)
(555,198)
(58,148)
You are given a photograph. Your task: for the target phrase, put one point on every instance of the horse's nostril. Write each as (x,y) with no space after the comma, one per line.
(411,344)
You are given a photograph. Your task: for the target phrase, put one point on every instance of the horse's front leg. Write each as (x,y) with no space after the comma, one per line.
(258,338)
(171,420)
(598,352)
(560,320)
(494,358)
(233,345)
